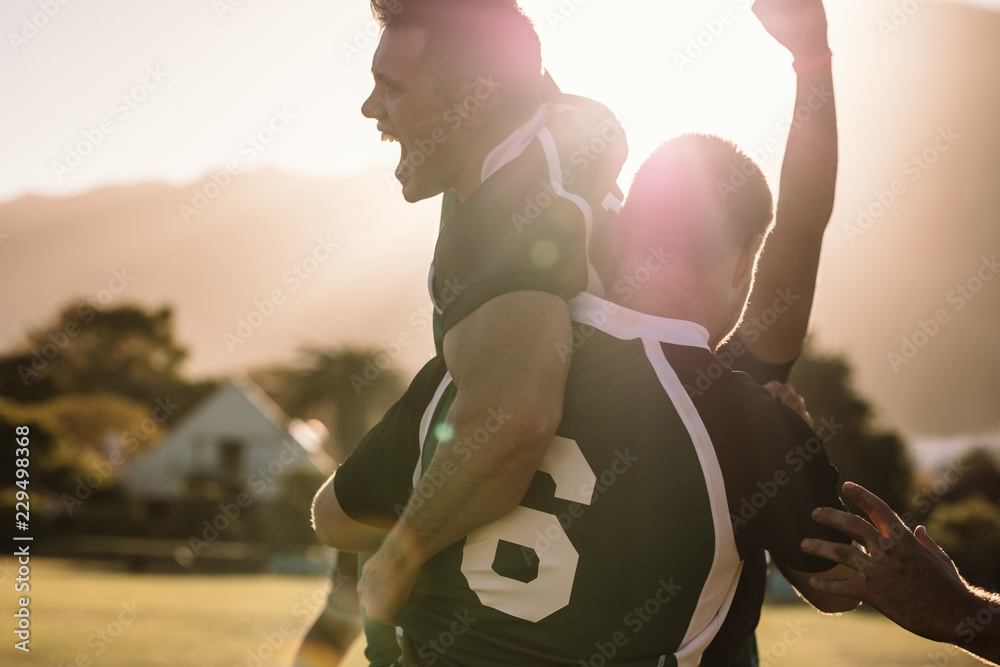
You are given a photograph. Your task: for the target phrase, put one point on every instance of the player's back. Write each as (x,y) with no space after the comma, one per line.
(621,551)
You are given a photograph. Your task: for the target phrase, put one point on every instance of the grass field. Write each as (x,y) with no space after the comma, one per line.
(87,616)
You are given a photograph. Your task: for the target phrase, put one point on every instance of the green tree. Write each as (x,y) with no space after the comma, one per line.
(970,532)
(98,421)
(341,387)
(978,473)
(126,351)
(876,459)
(54,466)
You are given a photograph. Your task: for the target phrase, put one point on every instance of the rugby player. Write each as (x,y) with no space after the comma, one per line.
(629,544)
(506,310)
(503,329)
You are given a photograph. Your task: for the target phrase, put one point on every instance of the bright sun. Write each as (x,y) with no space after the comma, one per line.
(671,67)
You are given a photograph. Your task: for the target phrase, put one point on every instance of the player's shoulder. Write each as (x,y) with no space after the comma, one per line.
(588,132)
(721,393)
(593,111)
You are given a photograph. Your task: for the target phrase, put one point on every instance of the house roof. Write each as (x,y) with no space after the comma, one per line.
(240,410)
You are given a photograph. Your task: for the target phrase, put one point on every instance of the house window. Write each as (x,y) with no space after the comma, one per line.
(231,456)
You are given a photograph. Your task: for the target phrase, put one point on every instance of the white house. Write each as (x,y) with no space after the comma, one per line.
(237,439)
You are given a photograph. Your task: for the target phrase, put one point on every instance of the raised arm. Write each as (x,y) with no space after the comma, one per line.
(511,381)
(786,278)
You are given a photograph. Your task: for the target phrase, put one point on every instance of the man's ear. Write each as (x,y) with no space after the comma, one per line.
(747,262)
(476,101)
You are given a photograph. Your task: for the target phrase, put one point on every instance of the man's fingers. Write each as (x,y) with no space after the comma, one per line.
(789,397)
(845,554)
(921,534)
(881,514)
(848,588)
(853,526)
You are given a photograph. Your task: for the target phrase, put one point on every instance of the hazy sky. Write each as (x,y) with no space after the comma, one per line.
(119,91)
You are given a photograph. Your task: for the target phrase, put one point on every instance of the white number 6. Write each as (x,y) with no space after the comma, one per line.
(557,557)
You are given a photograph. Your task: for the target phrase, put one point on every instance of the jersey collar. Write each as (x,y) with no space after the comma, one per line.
(515,144)
(626,324)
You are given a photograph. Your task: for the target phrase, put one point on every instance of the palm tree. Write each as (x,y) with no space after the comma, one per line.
(342,387)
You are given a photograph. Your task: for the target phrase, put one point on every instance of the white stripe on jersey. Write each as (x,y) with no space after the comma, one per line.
(510,149)
(720,585)
(425,424)
(612,203)
(594,283)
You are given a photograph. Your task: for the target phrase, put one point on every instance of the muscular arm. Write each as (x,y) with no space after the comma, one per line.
(336,529)
(505,361)
(786,277)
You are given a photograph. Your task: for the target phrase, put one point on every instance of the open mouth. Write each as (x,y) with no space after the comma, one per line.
(402,169)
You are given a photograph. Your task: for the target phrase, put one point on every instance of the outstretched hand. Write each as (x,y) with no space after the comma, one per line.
(907,576)
(798,25)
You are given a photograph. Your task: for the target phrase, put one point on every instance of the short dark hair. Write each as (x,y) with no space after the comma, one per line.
(683,181)
(472,39)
